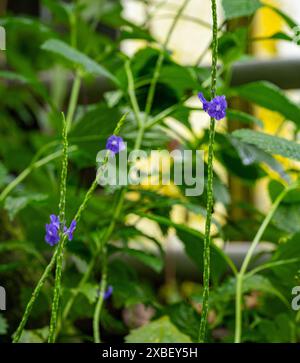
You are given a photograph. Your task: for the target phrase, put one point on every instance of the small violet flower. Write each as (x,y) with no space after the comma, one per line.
(69,231)
(115,144)
(216,108)
(108,293)
(52,230)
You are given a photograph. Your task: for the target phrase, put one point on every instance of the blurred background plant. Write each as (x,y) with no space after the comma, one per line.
(58,51)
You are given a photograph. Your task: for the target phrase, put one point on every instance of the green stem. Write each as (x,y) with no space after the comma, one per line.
(60,248)
(210,195)
(64,172)
(57,288)
(73,100)
(160,59)
(121,198)
(18,332)
(240,276)
(62,211)
(99,304)
(58,275)
(132,95)
(271,265)
(105,239)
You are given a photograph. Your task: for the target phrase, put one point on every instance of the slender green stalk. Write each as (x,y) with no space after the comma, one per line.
(271,265)
(160,59)
(99,304)
(210,195)
(121,198)
(60,250)
(58,275)
(73,100)
(188,18)
(18,332)
(60,247)
(241,275)
(64,172)
(132,95)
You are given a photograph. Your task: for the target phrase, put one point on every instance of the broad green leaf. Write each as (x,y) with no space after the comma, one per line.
(21,21)
(20,246)
(15,204)
(158,331)
(233,45)
(290,22)
(185,317)
(35,336)
(193,243)
(4,176)
(154,262)
(267,95)
(235,115)
(279,330)
(77,58)
(227,290)
(287,218)
(239,8)
(5,267)
(250,154)
(275,188)
(90,291)
(270,144)
(262,283)
(277,36)
(61,10)
(112,324)
(91,131)
(127,289)
(12,76)
(290,249)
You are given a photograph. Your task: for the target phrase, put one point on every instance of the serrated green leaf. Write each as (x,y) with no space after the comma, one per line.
(239,8)
(90,291)
(185,317)
(267,95)
(35,336)
(270,144)
(250,154)
(158,331)
(287,250)
(287,218)
(279,330)
(256,282)
(77,58)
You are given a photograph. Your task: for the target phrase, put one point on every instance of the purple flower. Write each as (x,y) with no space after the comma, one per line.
(54,220)
(115,144)
(108,293)
(216,108)
(52,231)
(69,231)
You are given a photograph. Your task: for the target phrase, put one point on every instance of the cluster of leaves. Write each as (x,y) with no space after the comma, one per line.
(41,58)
